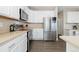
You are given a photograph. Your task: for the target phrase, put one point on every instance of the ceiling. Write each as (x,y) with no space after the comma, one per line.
(41,8)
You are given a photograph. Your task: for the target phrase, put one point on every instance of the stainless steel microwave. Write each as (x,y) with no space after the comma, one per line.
(23,15)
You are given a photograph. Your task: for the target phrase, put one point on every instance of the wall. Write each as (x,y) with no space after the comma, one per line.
(37,16)
(35,25)
(60,23)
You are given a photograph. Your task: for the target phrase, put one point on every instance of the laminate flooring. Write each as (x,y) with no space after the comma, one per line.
(48,46)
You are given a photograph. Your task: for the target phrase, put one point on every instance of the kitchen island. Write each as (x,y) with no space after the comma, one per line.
(13,41)
(72,43)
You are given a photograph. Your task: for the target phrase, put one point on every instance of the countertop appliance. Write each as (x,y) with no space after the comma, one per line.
(49,28)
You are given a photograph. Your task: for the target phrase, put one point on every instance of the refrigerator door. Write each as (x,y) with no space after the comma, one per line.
(53,29)
(49,29)
(53,25)
(47,24)
(46,27)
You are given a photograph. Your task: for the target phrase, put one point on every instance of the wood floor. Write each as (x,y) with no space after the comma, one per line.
(47,46)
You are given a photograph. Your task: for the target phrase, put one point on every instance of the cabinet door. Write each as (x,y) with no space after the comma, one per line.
(21,46)
(4,48)
(72,17)
(24,43)
(10,11)
(71,48)
(14,12)
(7,47)
(4,10)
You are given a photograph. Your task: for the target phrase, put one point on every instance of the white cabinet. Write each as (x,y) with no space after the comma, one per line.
(4,48)
(10,11)
(18,44)
(14,12)
(21,46)
(73,17)
(4,10)
(71,48)
(37,34)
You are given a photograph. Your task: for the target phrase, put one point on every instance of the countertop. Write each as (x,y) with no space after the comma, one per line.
(74,40)
(10,35)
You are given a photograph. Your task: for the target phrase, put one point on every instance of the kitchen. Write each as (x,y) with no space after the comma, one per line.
(28,28)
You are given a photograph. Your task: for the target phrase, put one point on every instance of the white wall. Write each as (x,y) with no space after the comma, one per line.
(37,16)
(60,23)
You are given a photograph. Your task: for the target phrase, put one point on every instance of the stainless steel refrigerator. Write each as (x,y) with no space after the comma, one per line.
(49,29)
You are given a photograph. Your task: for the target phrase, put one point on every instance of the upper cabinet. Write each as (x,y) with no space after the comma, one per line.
(4,10)
(73,17)
(14,12)
(10,11)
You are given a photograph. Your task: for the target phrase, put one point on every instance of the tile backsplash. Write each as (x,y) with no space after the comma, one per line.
(4,24)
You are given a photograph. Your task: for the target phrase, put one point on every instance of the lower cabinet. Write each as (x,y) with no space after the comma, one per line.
(19,44)
(71,48)
(4,48)
(21,47)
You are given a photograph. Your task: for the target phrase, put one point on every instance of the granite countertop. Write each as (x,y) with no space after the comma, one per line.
(74,40)
(10,35)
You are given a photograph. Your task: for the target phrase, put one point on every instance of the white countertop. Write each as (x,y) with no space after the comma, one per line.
(10,35)
(71,39)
